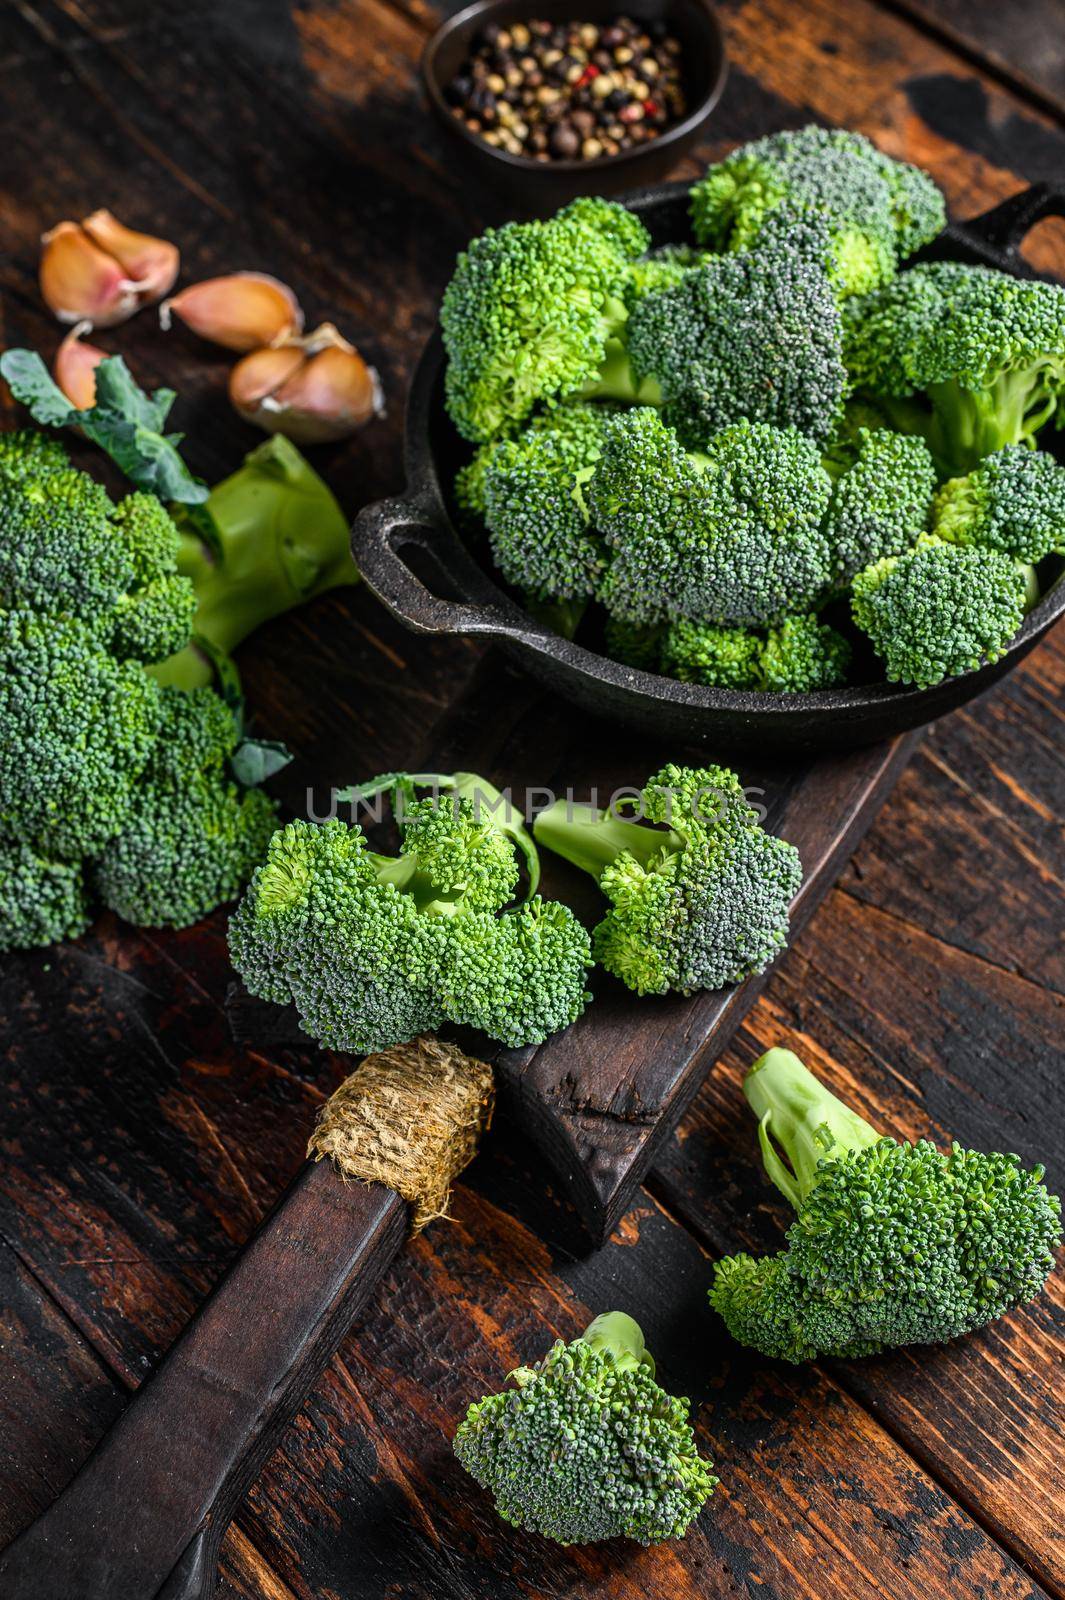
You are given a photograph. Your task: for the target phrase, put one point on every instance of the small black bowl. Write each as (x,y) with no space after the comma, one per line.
(411,555)
(539,187)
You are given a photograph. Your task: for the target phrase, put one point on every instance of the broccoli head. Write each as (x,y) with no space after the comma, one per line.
(41,900)
(799,654)
(534,505)
(192,834)
(529,309)
(879,211)
(720,658)
(881,503)
(83,725)
(893,1243)
(587,1446)
(803,654)
(122,786)
(67,551)
(660,269)
(983,351)
(940,609)
(755,337)
(632,644)
(731,535)
(699,899)
(374,949)
(1013,502)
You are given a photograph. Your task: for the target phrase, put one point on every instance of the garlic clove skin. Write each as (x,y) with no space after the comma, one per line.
(326,394)
(257,375)
(74,368)
(242,311)
(82,283)
(151,263)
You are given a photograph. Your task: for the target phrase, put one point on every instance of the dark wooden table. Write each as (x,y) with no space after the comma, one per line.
(138,1145)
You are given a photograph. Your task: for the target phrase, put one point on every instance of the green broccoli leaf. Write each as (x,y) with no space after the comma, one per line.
(125,422)
(255,760)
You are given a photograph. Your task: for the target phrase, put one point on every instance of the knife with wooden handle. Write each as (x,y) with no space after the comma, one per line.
(144,1518)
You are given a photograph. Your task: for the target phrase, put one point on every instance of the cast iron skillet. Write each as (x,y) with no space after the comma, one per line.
(395,541)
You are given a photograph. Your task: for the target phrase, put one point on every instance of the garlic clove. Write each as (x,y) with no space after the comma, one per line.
(242,311)
(74,368)
(326,393)
(149,262)
(259,374)
(80,282)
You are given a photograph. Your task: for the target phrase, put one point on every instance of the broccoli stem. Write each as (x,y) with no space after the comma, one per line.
(808,1122)
(612,1333)
(969,425)
(268,538)
(616,380)
(593,839)
(616,1333)
(489,805)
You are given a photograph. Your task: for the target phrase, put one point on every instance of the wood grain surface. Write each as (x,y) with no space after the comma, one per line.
(140,1146)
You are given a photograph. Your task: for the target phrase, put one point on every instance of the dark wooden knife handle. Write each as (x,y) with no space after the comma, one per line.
(144,1517)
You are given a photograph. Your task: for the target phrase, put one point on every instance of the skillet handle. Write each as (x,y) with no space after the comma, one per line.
(381,534)
(1005,226)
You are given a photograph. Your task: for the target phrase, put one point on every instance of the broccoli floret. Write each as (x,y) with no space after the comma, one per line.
(535,510)
(860,415)
(529,309)
(470,482)
(940,609)
(587,1445)
(29,453)
(699,899)
(660,269)
(804,654)
(41,900)
(983,351)
(756,336)
(631,644)
(58,549)
(193,834)
(374,949)
(66,551)
(721,658)
(881,502)
(154,618)
(800,654)
(729,536)
(83,725)
(110,788)
(1013,502)
(893,1243)
(879,210)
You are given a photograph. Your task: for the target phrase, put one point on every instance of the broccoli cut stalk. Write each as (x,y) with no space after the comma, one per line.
(797,1113)
(269,537)
(587,1446)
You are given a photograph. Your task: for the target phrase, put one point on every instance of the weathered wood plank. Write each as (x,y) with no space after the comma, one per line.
(1023,44)
(290,140)
(926,1040)
(813,1497)
(56,1399)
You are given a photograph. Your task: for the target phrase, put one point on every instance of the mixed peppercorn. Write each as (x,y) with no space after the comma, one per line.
(570,91)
